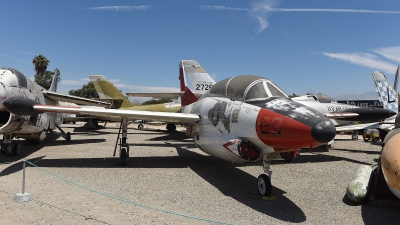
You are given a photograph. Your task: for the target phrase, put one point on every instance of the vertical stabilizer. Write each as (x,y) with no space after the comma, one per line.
(188,97)
(396,78)
(106,89)
(198,77)
(387,95)
(54,82)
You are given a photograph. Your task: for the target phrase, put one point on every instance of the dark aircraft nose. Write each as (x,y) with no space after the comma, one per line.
(322,130)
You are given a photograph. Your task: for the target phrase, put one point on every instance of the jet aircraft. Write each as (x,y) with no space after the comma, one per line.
(343,113)
(106,91)
(34,127)
(243,119)
(338,113)
(389,99)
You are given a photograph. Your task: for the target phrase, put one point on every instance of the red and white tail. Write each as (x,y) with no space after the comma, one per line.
(188,97)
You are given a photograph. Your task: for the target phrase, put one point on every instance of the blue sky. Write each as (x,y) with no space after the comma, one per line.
(330,47)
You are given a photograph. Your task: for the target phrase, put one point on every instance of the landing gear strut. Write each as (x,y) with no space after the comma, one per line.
(123,146)
(66,136)
(264,186)
(354,136)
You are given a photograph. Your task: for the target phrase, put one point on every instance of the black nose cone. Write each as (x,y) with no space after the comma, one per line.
(323,130)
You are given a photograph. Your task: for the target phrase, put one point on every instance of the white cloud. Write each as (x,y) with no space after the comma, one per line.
(262,9)
(123,8)
(30,53)
(332,10)
(15,58)
(365,60)
(392,53)
(220,7)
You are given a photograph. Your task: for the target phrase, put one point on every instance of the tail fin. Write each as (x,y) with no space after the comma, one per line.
(54,82)
(387,95)
(199,78)
(188,97)
(396,78)
(106,89)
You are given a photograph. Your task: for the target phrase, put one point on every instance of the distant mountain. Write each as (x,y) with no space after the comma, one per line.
(364,96)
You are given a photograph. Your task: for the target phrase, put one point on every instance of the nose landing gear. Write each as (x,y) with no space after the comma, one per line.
(264,185)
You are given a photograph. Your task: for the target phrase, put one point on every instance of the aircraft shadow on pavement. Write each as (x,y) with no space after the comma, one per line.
(28,148)
(318,158)
(359,151)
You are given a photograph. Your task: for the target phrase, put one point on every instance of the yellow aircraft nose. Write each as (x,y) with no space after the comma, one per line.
(390,164)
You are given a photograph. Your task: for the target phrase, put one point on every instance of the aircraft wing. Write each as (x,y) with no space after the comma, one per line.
(341,115)
(115,113)
(359,126)
(55,96)
(26,106)
(173,95)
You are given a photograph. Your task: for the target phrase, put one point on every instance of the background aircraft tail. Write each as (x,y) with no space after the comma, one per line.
(198,77)
(387,95)
(107,90)
(54,82)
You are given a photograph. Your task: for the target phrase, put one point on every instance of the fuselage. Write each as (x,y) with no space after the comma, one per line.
(267,124)
(14,83)
(325,105)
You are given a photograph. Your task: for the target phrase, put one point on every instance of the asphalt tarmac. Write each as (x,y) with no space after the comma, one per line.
(167,180)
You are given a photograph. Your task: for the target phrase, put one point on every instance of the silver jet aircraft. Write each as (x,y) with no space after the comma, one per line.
(32,126)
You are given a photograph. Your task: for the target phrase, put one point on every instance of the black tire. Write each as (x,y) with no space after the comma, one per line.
(123,156)
(366,138)
(2,151)
(68,137)
(171,127)
(354,136)
(382,134)
(16,149)
(264,186)
(140,126)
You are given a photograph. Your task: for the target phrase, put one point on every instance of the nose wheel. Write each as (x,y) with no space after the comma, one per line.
(264,185)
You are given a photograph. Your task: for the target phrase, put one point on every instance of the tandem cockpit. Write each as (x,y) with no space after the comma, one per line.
(246,88)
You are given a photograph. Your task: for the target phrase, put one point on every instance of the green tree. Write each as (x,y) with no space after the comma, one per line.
(46,79)
(157,101)
(87,91)
(40,62)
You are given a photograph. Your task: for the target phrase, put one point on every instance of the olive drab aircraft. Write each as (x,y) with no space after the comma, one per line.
(107,91)
(33,127)
(243,119)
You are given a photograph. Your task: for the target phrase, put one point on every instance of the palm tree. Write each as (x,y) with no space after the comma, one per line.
(40,62)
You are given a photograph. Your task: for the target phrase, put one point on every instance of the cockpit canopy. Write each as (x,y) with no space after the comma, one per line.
(246,88)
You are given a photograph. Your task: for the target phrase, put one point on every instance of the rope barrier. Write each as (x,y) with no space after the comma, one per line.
(128,201)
